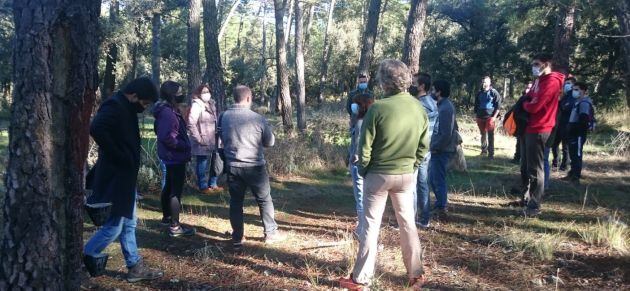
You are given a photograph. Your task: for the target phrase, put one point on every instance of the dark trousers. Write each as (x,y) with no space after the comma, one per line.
(576,149)
(172,192)
(255,178)
(533,168)
(517,150)
(560,140)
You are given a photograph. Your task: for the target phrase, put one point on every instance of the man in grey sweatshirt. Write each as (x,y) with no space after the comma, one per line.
(245,134)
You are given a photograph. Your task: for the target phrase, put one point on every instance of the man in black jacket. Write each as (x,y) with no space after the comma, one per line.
(115,130)
(565,106)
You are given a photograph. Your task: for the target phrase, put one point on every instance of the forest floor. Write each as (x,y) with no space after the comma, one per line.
(580,241)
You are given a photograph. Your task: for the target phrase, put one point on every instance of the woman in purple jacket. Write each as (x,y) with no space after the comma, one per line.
(174,150)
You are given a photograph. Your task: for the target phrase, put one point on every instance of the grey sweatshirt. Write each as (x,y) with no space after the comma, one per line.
(244,134)
(442,140)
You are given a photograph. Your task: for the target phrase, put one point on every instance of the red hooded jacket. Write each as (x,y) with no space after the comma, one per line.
(541,102)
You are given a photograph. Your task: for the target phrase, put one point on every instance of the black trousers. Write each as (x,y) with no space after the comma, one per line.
(533,168)
(560,139)
(576,149)
(257,179)
(172,192)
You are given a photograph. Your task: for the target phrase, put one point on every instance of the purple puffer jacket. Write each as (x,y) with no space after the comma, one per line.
(173,145)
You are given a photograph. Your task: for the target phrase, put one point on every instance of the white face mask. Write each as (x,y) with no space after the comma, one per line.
(568,87)
(354,108)
(205,97)
(536,71)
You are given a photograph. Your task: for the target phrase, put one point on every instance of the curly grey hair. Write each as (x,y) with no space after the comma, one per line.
(393,76)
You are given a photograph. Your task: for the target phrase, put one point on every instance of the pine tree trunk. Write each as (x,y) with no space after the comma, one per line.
(623,16)
(263,56)
(282,71)
(55,73)
(414,36)
(299,67)
(369,38)
(326,54)
(562,48)
(156,26)
(193,65)
(307,28)
(109,76)
(214,68)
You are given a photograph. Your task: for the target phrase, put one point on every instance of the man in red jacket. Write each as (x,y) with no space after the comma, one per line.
(541,102)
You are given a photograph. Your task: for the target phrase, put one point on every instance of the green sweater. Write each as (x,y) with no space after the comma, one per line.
(394,136)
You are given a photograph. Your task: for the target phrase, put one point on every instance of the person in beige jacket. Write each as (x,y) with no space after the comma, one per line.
(202,121)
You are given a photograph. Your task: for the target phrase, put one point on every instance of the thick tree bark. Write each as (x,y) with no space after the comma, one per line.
(369,38)
(55,73)
(214,68)
(326,54)
(414,36)
(193,65)
(282,71)
(299,67)
(288,23)
(307,28)
(263,57)
(156,27)
(623,16)
(109,77)
(562,48)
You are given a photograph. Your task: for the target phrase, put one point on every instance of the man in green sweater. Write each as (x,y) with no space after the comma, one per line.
(394,141)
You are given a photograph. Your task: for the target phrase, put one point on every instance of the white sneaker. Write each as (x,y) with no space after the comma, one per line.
(422,225)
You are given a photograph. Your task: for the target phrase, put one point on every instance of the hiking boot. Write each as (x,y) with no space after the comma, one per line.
(531,212)
(210,190)
(181,230)
(95,265)
(275,237)
(141,272)
(166,221)
(350,284)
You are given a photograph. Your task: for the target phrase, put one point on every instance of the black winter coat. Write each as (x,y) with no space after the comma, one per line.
(115,130)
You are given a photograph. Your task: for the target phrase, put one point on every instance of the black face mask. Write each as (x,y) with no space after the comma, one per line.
(413,90)
(138,107)
(179,99)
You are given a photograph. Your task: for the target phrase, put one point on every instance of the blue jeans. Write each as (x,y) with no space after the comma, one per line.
(120,228)
(357,187)
(437,178)
(422,191)
(546,166)
(201,170)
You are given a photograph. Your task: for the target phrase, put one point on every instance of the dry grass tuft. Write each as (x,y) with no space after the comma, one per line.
(610,232)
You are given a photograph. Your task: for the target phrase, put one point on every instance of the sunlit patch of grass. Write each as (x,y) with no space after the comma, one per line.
(611,233)
(540,245)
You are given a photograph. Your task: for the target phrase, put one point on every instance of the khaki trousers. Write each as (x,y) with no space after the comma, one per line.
(376,189)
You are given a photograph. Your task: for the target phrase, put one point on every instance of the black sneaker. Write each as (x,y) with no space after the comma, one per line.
(141,272)
(95,265)
(181,230)
(531,212)
(166,221)
(237,246)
